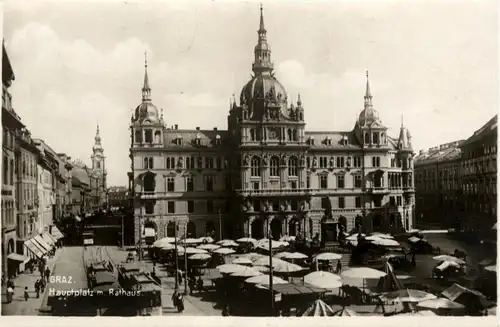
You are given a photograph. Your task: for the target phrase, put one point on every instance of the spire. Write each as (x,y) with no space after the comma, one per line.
(97,135)
(146,90)
(368,94)
(262,52)
(402,125)
(299,102)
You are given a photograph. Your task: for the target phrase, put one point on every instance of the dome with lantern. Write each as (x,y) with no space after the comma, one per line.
(369,116)
(146,111)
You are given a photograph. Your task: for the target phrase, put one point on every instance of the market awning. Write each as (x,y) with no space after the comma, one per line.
(17,257)
(296,289)
(77,218)
(149,232)
(34,249)
(56,233)
(38,239)
(46,237)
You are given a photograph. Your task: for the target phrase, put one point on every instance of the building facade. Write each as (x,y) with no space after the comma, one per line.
(438,185)
(80,189)
(11,126)
(456,182)
(28,199)
(99,173)
(118,197)
(65,188)
(266,173)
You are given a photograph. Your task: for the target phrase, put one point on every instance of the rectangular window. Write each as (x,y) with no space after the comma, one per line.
(209,183)
(170,162)
(148,136)
(209,162)
(210,206)
(393,162)
(190,206)
(170,207)
(323,182)
(5,168)
(375,161)
(149,208)
(398,200)
(189,162)
(190,184)
(357,181)
(294,204)
(256,205)
(308,162)
(170,185)
(340,181)
(219,163)
(357,162)
(341,202)
(357,202)
(255,185)
(340,162)
(293,184)
(308,181)
(323,162)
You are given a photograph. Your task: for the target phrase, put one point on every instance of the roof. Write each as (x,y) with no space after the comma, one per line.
(207,138)
(489,128)
(117,189)
(445,152)
(296,289)
(80,174)
(7,71)
(321,137)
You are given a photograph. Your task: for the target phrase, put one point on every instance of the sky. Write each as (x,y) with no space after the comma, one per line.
(432,65)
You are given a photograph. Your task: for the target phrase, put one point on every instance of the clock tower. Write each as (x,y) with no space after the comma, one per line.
(99,166)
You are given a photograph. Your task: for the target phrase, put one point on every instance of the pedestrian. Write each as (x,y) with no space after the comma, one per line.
(37,288)
(413,260)
(47,273)
(200,285)
(225,310)
(43,284)
(180,302)
(339,267)
(26,295)
(10,294)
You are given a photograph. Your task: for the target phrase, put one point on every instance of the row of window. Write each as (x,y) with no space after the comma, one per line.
(323,181)
(484,150)
(187,163)
(210,207)
(8,138)
(147,136)
(8,213)
(28,166)
(209,182)
(289,135)
(8,171)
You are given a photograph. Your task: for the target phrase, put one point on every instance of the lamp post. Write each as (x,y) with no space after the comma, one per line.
(269,234)
(176,257)
(185,263)
(220,226)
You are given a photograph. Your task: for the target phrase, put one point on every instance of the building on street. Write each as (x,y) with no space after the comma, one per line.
(118,197)
(11,126)
(47,170)
(266,171)
(456,182)
(99,173)
(437,184)
(80,188)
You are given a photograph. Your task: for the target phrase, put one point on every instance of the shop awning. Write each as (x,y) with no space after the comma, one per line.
(149,232)
(46,237)
(38,239)
(17,257)
(34,249)
(56,233)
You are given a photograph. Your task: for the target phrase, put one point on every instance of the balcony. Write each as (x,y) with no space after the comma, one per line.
(378,190)
(276,192)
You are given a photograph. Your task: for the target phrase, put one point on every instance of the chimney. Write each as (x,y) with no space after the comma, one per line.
(176,127)
(215,129)
(197,128)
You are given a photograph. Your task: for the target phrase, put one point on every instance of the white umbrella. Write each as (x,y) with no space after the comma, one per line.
(242,261)
(247,240)
(265,261)
(248,272)
(385,242)
(206,239)
(354,237)
(445,257)
(492,268)
(382,235)
(208,247)
(323,279)
(195,251)
(191,241)
(167,246)
(224,251)
(228,243)
(327,256)
(439,303)
(287,238)
(282,255)
(264,280)
(263,269)
(426,313)
(408,295)
(264,244)
(253,256)
(163,241)
(295,255)
(200,256)
(363,272)
(286,268)
(230,268)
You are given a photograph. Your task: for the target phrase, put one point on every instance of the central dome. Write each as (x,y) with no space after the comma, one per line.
(146,111)
(263,86)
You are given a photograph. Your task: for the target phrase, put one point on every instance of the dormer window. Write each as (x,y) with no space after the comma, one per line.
(197,141)
(178,139)
(217,139)
(311,140)
(328,140)
(344,140)
(148,136)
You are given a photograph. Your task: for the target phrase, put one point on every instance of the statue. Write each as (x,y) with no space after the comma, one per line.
(226,163)
(288,205)
(302,160)
(180,162)
(247,160)
(265,160)
(315,162)
(282,207)
(283,160)
(249,206)
(348,162)
(243,207)
(332,162)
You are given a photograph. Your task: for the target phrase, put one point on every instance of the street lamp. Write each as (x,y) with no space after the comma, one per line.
(269,234)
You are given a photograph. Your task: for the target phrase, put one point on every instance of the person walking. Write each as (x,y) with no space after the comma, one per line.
(10,294)
(26,294)
(37,288)
(43,283)
(47,273)
(413,260)
(339,267)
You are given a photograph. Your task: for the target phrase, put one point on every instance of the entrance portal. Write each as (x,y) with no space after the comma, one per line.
(292,227)
(276,229)
(257,229)
(170,229)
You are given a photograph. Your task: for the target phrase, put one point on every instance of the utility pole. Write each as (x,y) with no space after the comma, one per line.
(220,226)
(271,268)
(140,235)
(123,235)
(176,256)
(185,264)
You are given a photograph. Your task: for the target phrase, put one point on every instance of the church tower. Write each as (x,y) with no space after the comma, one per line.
(99,166)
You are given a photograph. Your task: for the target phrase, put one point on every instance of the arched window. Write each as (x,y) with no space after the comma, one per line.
(157,137)
(375,138)
(367,138)
(292,166)
(275,166)
(146,163)
(191,229)
(255,167)
(150,163)
(171,229)
(138,137)
(294,135)
(149,183)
